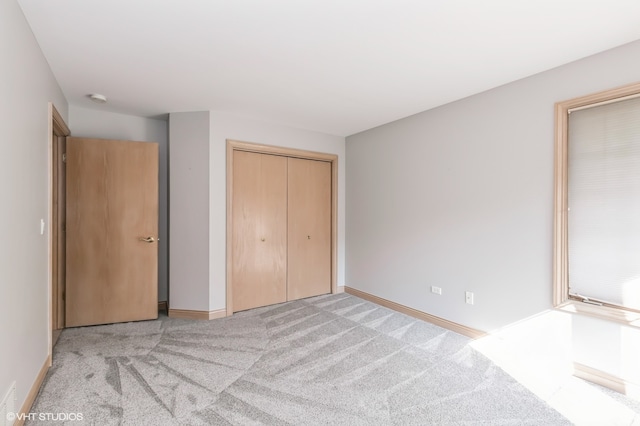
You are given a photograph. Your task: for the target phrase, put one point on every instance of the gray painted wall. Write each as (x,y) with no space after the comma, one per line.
(189,211)
(461,197)
(27,85)
(93,123)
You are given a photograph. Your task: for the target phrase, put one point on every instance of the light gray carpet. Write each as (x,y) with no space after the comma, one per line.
(328,360)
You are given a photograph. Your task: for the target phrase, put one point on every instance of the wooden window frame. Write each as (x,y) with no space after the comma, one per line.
(561,298)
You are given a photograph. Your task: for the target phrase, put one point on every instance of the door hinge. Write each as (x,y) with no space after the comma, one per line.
(64,157)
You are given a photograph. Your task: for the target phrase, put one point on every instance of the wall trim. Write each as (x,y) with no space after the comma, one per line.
(608,313)
(163,305)
(56,129)
(33,392)
(339,289)
(441,322)
(607,380)
(197,315)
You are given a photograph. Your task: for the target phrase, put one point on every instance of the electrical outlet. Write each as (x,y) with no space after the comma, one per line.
(436,290)
(468,297)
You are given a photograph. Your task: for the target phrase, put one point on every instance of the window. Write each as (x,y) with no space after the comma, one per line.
(597,204)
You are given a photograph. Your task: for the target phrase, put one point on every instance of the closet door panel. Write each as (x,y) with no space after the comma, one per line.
(309,228)
(259,230)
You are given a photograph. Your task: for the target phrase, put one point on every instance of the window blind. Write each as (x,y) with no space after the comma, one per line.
(604,203)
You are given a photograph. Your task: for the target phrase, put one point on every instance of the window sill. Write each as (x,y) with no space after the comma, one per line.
(631,319)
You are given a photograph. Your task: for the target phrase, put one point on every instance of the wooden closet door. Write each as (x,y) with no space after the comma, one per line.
(309,226)
(259,230)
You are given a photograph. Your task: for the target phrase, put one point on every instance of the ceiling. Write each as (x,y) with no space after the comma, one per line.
(334,66)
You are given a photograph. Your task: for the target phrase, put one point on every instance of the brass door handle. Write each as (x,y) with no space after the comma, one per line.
(147,240)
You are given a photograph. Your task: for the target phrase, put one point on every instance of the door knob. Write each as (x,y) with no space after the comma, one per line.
(147,240)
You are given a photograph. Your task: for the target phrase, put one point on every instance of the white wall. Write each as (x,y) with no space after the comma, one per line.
(461,197)
(189,211)
(27,85)
(228,126)
(85,122)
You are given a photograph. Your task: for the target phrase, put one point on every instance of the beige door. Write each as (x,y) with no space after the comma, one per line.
(259,231)
(112,208)
(309,228)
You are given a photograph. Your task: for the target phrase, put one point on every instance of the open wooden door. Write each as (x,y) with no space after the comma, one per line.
(111,231)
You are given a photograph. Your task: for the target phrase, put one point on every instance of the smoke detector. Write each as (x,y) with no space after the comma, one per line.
(98,98)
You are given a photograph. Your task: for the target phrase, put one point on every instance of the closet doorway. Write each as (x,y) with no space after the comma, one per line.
(281,225)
